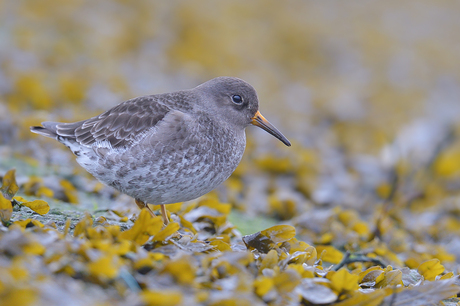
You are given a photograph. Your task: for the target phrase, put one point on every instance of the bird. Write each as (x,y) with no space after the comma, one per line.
(167,148)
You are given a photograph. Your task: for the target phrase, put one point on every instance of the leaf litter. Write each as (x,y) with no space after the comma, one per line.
(199,258)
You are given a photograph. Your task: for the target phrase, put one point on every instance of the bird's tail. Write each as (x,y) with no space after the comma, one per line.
(48,129)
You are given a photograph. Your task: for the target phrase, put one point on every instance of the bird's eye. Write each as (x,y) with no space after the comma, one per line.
(237,99)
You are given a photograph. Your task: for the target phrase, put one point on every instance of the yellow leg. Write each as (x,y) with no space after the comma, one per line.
(142,204)
(164,215)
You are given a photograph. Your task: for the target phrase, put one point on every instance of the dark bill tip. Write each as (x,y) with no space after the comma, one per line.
(260,121)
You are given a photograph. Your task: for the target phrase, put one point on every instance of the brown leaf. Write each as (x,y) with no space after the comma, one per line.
(259,242)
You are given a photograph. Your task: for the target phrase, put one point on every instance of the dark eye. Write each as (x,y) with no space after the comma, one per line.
(237,99)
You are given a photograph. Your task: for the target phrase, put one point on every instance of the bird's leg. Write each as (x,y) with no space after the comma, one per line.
(142,204)
(164,214)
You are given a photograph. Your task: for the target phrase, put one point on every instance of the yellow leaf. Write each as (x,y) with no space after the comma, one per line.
(31,88)
(67,227)
(170,229)
(104,267)
(81,226)
(347,217)
(447,275)
(28,223)
(390,279)
(270,260)
(383,190)
(18,272)
(220,245)
(299,269)
(202,296)
(187,224)
(279,233)
(329,254)
(70,191)
(361,228)
(9,185)
(443,255)
(121,248)
(19,296)
(365,299)
(283,209)
(150,261)
(343,280)
(262,285)
(19,199)
(286,281)
(182,270)
(144,227)
(325,238)
(431,268)
(448,163)
(39,206)
(275,164)
(34,248)
(161,298)
(214,203)
(73,89)
(6,209)
(234,301)
(32,185)
(296,245)
(366,276)
(44,191)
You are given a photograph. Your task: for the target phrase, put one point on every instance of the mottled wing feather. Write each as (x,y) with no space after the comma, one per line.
(119,126)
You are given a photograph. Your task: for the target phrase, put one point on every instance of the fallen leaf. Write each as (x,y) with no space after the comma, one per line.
(286,281)
(161,298)
(269,261)
(428,293)
(105,267)
(390,278)
(9,185)
(329,254)
(144,227)
(374,298)
(6,209)
(262,285)
(343,280)
(167,231)
(39,206)
(279,233)
(431,268)
(316,293)
(182,270)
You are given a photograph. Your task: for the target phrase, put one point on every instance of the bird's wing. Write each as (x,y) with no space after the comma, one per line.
(120,126)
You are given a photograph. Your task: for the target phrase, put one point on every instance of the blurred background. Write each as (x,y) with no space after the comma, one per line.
(367,91)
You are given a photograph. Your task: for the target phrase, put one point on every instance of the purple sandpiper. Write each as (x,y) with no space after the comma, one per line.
(167,148)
